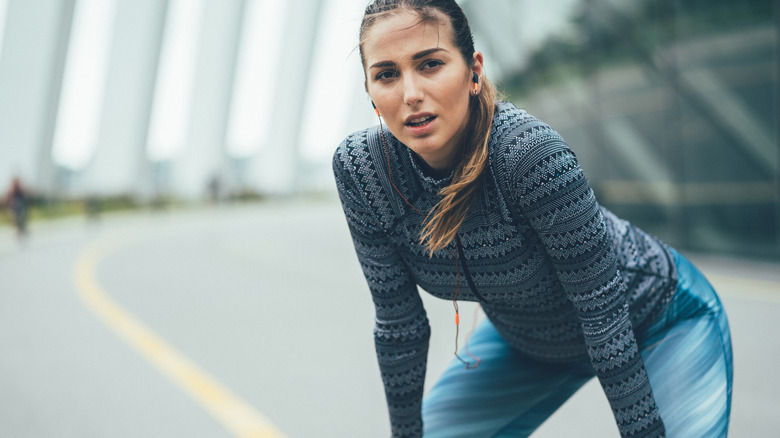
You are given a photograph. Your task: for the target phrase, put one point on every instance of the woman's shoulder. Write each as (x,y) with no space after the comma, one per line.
(354,149)
(512,125)
(518,135)
(358,158)
(357,140)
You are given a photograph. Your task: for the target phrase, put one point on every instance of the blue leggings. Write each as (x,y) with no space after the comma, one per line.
(687,355)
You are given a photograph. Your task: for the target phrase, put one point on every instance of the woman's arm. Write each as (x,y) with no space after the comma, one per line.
(401,331)
(554,195)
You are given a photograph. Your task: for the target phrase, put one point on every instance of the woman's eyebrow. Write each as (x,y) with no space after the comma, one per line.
(382,64)
(424,53)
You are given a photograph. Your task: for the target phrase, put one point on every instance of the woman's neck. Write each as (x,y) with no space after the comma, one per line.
(431,171)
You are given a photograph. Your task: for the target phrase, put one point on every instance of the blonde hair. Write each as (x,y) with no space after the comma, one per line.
(442,223)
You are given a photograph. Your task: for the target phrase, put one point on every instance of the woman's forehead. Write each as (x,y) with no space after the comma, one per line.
(404,33)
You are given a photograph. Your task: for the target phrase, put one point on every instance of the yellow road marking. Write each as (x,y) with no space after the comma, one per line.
(236,415)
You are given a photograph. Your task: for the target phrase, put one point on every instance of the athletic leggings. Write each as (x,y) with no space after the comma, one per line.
(686,351)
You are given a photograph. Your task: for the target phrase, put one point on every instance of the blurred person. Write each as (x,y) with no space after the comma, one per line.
(214,188)
(16,202)
(473,199)
(92,207)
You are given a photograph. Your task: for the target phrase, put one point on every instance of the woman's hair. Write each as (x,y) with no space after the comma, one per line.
(443,221)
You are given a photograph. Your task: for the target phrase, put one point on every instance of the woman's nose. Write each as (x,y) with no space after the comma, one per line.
(413,92)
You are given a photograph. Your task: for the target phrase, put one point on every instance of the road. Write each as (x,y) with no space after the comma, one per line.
(255,321)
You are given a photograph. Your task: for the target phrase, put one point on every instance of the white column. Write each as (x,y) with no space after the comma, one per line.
(119,162)
(203,155)
(275,168)
(35,43)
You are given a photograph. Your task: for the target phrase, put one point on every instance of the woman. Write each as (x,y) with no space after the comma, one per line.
(474,199)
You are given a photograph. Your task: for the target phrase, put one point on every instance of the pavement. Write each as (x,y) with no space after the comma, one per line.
(255,320)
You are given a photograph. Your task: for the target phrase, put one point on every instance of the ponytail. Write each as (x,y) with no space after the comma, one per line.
(445,218)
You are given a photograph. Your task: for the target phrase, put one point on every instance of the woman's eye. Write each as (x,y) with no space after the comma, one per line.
(384,75)
(431,63)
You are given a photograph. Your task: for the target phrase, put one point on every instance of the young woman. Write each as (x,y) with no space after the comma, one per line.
(473,199)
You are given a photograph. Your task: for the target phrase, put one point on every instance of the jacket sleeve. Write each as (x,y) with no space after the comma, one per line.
(401,330)
(555,197)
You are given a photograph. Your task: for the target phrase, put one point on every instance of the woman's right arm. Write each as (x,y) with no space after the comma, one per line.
(401,331)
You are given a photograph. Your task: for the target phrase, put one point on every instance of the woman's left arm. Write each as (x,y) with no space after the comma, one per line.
(554,195)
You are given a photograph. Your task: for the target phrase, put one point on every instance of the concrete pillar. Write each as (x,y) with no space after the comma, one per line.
(119,164)
(204,155)
(31,67)
(275,168)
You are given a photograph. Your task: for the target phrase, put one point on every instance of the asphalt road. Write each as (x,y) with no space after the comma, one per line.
(256,321)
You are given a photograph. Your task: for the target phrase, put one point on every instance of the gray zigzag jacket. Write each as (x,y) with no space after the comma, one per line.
(560,277)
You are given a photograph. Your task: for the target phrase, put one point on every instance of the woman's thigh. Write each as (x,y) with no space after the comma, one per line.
(689,360)
(508,394)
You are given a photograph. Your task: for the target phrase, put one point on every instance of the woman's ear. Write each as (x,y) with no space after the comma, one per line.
(479,63)
(476,73)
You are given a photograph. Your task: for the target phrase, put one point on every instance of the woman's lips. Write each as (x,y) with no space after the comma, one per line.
(421,125)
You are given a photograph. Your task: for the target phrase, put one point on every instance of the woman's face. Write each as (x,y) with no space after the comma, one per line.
(419,82)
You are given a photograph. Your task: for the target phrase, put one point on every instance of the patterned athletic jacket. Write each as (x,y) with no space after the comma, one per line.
(560,277)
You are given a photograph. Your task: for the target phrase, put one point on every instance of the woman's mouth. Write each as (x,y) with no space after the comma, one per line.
(420,121)
(421,124)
